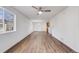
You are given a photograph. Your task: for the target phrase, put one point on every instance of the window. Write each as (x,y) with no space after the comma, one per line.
(7,21)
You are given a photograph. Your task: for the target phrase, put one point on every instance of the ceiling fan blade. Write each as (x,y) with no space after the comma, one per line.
(46,10)
(35,7)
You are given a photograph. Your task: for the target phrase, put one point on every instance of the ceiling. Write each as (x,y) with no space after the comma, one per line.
(32,13)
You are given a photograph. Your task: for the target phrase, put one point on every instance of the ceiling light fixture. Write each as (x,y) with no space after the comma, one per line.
(40,12)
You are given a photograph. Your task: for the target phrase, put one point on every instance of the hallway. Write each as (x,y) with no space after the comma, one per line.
(39,42)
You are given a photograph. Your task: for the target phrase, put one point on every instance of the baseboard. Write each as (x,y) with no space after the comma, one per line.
(58,39)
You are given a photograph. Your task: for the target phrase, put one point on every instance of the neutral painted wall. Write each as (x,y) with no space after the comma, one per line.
(39,25)
(23,28)
(66,27)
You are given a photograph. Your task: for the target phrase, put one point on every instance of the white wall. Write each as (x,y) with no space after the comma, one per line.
(23,28)
(66,27)
(39,25)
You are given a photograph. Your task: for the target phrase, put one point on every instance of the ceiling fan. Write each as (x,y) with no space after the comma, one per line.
(41,10)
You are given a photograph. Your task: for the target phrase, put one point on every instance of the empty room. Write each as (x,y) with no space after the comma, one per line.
(39,29)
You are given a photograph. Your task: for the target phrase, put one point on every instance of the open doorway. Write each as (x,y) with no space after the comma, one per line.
(47,25)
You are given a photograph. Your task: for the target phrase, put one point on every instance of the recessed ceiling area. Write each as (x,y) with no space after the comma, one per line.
(31,13)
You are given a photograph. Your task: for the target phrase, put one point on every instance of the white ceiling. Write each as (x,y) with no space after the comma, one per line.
(32,13)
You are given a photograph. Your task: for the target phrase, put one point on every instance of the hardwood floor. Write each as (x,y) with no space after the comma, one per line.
(40,42)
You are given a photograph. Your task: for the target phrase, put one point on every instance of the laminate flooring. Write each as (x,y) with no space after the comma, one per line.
(40,42)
